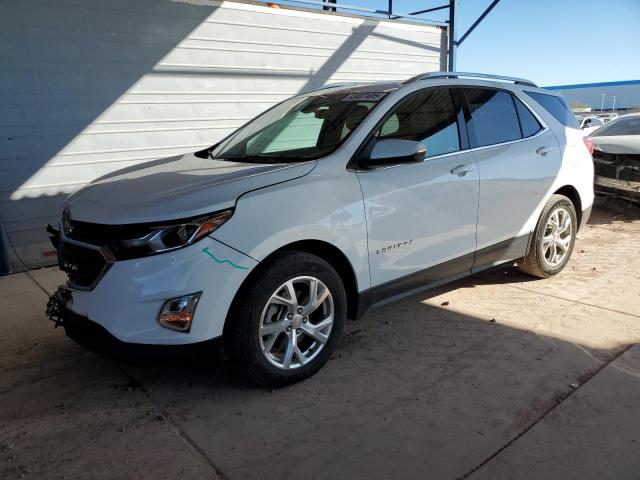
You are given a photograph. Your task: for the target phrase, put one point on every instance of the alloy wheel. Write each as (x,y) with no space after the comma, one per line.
(296,322)
(557,238)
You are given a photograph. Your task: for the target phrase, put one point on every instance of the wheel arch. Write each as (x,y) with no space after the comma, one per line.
(325,250)
(572,194)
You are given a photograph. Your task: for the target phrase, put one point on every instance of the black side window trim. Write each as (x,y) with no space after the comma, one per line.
(458,105)
(515,107)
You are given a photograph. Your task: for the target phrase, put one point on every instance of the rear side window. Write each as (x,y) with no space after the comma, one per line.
(427,116)
(528,122)
(493,117)
(557,107)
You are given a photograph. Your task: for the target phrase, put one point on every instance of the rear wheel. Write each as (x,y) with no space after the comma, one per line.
(553,239)
(290,319)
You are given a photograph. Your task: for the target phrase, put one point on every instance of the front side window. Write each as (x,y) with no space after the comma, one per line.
(428,117)
(299,129)
(493,117)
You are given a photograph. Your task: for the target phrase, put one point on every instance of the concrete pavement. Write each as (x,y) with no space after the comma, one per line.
(496,376)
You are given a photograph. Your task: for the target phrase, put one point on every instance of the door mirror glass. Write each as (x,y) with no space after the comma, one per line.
(393,150)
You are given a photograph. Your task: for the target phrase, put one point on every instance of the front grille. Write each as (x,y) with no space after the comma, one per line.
(84,266)
(100,234)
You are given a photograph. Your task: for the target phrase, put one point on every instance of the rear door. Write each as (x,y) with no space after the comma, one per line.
(518,159)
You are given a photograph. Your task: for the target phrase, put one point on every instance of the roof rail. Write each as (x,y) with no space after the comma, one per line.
(433,75)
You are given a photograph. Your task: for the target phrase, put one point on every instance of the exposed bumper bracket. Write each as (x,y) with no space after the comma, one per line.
(58,306)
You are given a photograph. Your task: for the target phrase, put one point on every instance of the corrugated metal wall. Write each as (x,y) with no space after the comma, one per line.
(627,95)
(87,86)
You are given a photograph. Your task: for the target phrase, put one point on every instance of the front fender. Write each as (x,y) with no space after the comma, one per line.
(325,205)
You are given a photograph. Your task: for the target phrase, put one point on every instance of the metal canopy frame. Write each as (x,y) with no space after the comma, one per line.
(452,43)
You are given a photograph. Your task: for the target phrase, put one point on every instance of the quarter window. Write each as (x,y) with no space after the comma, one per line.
(557,107)
(493,117)
(427,116)
(528,123)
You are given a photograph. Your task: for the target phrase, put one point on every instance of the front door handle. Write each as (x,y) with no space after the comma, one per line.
(462,170)
(542,151)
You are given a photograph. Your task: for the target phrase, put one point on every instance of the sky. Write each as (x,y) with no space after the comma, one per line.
(552,42)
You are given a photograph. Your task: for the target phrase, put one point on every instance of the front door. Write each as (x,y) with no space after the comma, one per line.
(421,217)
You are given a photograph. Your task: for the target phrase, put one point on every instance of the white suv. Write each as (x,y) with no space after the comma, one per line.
(328,203)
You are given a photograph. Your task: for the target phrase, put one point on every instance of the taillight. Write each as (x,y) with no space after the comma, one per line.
(589,143)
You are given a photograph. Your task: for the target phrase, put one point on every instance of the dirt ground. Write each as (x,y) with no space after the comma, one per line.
(497,376)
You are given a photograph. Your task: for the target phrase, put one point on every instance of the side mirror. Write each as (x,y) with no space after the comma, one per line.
(393,150)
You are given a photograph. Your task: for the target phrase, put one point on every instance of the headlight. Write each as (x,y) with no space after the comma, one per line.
(164,238)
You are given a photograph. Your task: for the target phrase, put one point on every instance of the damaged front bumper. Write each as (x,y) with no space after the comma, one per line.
(128,299)
(85,332)
(96,338)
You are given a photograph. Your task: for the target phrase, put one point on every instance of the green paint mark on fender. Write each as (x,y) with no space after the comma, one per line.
(208,252)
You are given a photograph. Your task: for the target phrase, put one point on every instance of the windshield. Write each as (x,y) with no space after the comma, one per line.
(299,129)
(619,126)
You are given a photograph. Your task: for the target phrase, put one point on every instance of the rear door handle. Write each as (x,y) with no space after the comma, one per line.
(542,151)
(462,170)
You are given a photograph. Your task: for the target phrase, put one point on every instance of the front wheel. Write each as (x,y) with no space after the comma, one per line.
(289,320)
(553,239)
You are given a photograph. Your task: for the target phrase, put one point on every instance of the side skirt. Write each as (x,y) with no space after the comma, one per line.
(443,273)
(501,252)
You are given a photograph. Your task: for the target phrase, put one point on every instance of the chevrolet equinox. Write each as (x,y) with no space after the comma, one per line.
(328,203)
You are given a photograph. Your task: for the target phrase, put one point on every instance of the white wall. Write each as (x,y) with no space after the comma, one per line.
(88,86)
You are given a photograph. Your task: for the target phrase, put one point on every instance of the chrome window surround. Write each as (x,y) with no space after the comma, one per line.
(543,130)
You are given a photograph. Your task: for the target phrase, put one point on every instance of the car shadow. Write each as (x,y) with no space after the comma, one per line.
(209,365)
(431,384)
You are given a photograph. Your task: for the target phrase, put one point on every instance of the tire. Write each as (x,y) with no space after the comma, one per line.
(540,261)
(271,359)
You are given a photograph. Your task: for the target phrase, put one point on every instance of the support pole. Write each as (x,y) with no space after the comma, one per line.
(477,22)
(452,45)
(330,9)
(419,12)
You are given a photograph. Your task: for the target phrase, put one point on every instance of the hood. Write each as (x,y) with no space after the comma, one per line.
(177,187)
(627,144)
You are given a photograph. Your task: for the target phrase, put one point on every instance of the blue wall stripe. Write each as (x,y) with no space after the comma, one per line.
(589,85)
